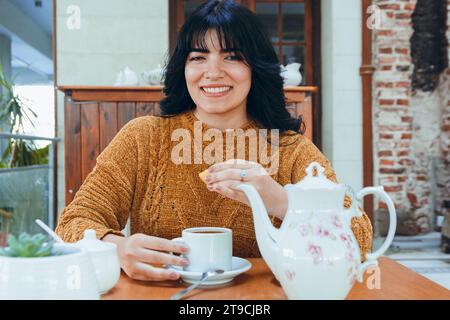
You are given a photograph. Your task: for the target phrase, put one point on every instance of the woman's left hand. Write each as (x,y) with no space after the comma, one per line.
(225,176)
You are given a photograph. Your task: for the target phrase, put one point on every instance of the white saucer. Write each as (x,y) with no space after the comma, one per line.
(239,265)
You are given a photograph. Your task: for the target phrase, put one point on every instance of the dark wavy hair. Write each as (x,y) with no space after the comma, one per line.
(238,28)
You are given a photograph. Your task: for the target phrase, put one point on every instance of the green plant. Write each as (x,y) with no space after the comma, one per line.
(13,110)
(27,246)
(13,113)
(21,153)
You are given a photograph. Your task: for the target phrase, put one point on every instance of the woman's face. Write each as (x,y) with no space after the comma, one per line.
(217,81)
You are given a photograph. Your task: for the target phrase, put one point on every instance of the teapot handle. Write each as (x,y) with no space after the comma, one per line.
(371,258)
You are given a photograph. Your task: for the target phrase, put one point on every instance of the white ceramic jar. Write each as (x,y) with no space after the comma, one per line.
(105,258)
(68,275)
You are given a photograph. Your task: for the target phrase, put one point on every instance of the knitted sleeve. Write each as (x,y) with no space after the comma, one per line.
(104,200)
(307,152)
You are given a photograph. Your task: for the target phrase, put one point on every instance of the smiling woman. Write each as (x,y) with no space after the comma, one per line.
(222,79)
(223,44)
(218,81)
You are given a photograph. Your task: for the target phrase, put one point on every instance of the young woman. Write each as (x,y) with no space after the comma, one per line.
(223,76)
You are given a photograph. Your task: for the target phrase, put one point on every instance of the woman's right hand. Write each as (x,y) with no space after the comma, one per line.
(139,253)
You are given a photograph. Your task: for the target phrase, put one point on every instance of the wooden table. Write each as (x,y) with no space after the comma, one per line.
(397,282)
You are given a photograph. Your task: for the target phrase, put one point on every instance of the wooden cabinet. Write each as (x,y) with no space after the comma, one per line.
(93,116)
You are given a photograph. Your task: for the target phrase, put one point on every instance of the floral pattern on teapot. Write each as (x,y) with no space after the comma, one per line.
(314,254)
(316,234)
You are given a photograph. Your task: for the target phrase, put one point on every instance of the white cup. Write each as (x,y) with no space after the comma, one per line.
(209,248)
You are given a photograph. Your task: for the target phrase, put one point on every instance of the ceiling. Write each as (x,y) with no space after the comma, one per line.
(42,16)
(30,29)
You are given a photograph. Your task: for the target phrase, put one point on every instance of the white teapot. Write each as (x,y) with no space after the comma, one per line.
(126,77)
(291,74)
(153,77)
(314,254)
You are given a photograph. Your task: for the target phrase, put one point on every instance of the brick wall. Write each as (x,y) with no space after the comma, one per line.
(443,174)
(411,131)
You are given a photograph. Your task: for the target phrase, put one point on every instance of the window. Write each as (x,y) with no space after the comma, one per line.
(288,22)
(285,22)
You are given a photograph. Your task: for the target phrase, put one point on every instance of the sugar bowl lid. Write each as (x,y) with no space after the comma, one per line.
(92,244)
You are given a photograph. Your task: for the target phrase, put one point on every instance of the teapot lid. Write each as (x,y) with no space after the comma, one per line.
(92,244)
(319,181)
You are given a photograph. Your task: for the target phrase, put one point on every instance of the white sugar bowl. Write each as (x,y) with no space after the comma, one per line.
(105,259)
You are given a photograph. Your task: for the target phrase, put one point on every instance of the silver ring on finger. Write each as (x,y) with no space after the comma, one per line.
(243,174)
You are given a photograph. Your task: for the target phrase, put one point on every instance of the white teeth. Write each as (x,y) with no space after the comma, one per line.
(216,90)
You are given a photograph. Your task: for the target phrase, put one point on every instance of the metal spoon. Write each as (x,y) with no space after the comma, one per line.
(205,275)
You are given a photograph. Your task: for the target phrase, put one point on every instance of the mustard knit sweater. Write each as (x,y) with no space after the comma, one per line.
(135,177)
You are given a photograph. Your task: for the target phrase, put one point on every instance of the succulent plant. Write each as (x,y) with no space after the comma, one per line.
(27,246)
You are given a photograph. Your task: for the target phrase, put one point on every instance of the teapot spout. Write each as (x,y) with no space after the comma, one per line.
(266,234)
